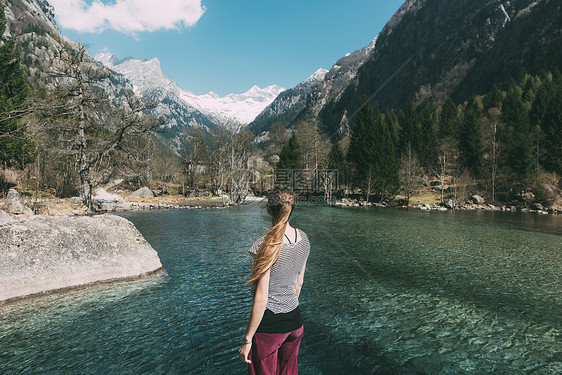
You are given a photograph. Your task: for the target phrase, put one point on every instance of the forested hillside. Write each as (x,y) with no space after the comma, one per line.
(505,146)
(434,49)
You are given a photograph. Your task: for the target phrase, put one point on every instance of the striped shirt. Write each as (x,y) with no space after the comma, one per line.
(283,276)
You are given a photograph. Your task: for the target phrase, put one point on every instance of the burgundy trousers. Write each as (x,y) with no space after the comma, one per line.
(275,353)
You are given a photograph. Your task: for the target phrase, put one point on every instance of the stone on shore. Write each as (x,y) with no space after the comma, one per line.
(537,206)
(143,192)
(15,205)
(477,199)
(102,195)
(45,253)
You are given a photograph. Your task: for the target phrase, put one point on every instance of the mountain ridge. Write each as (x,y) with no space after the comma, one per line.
(432,49)
(429,50)
(148,78)
(310,95)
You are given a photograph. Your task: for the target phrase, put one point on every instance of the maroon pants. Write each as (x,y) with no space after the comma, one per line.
(275,353)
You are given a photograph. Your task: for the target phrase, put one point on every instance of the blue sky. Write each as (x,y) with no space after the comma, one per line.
(227,46)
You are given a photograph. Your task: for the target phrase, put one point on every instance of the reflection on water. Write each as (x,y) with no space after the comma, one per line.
(386,292)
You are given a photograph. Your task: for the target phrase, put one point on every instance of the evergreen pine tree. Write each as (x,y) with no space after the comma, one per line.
(518,139)
(393,126)
(290,156)
(14,144)
(541,101)
(362,148)
(336,160)
(409,128)
(428,142)
(336,157)
(448,119)
(493,99)
(551,124)
(386,168)
(529,87)
(469,140)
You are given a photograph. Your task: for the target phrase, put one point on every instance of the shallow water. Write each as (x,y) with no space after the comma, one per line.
(387,291)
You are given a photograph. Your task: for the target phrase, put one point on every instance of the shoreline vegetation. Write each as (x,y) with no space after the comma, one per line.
(126,201)
(503,145)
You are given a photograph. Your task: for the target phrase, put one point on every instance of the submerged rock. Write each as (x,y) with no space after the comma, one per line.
(48,253)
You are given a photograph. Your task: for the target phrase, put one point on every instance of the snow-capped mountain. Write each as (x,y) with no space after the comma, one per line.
(242,108)
(148,79)
(288,105)
(313,93)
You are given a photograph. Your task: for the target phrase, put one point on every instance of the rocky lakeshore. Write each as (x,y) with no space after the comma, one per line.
(46,253)
(144,199)
(476,202)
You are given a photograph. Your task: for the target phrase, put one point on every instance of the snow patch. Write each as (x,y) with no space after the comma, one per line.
(147,76)
(241,108)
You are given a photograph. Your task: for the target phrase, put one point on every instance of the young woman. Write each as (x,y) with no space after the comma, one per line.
(274,332)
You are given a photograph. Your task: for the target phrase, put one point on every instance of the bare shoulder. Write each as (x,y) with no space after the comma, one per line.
(301,235)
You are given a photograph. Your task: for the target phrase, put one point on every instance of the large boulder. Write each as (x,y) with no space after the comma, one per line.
(477,199)
(5,218)
(143,192)
(15,205)
(537,206)
(46,253)
(102,195)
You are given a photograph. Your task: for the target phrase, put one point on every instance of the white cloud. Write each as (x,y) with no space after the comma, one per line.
(127,16)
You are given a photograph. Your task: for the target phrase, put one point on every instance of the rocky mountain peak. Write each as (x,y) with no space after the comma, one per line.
(148,78)
(311,94)
(25,14)
(317,76)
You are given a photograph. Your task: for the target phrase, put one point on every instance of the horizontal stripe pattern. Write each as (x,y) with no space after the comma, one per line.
(282,295)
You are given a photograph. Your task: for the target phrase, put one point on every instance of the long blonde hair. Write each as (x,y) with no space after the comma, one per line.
(279,206)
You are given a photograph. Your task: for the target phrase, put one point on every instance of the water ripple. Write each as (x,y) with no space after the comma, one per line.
(386,292)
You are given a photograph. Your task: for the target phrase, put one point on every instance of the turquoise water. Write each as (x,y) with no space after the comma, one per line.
(387,291)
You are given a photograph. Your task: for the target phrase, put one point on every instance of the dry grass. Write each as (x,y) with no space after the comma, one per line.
(425,197)
(167,199)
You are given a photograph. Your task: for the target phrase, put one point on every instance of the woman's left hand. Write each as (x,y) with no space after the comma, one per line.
(244,352)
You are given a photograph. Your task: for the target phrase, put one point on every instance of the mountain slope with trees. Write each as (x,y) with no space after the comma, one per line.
(66,122)
(434,49)
(310,96)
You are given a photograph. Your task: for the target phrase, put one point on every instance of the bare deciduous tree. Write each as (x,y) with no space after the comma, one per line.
(239,148)
(195,157)
(87,124)
(409,173)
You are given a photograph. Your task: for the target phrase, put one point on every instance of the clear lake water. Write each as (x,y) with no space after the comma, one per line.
(387,291)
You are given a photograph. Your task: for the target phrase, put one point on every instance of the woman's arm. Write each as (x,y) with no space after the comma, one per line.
(258,309)
(300,280)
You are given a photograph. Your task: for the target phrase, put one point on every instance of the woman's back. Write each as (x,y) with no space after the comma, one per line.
(282,295)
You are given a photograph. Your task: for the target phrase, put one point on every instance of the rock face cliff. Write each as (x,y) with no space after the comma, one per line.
(431,49)
(44,253)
